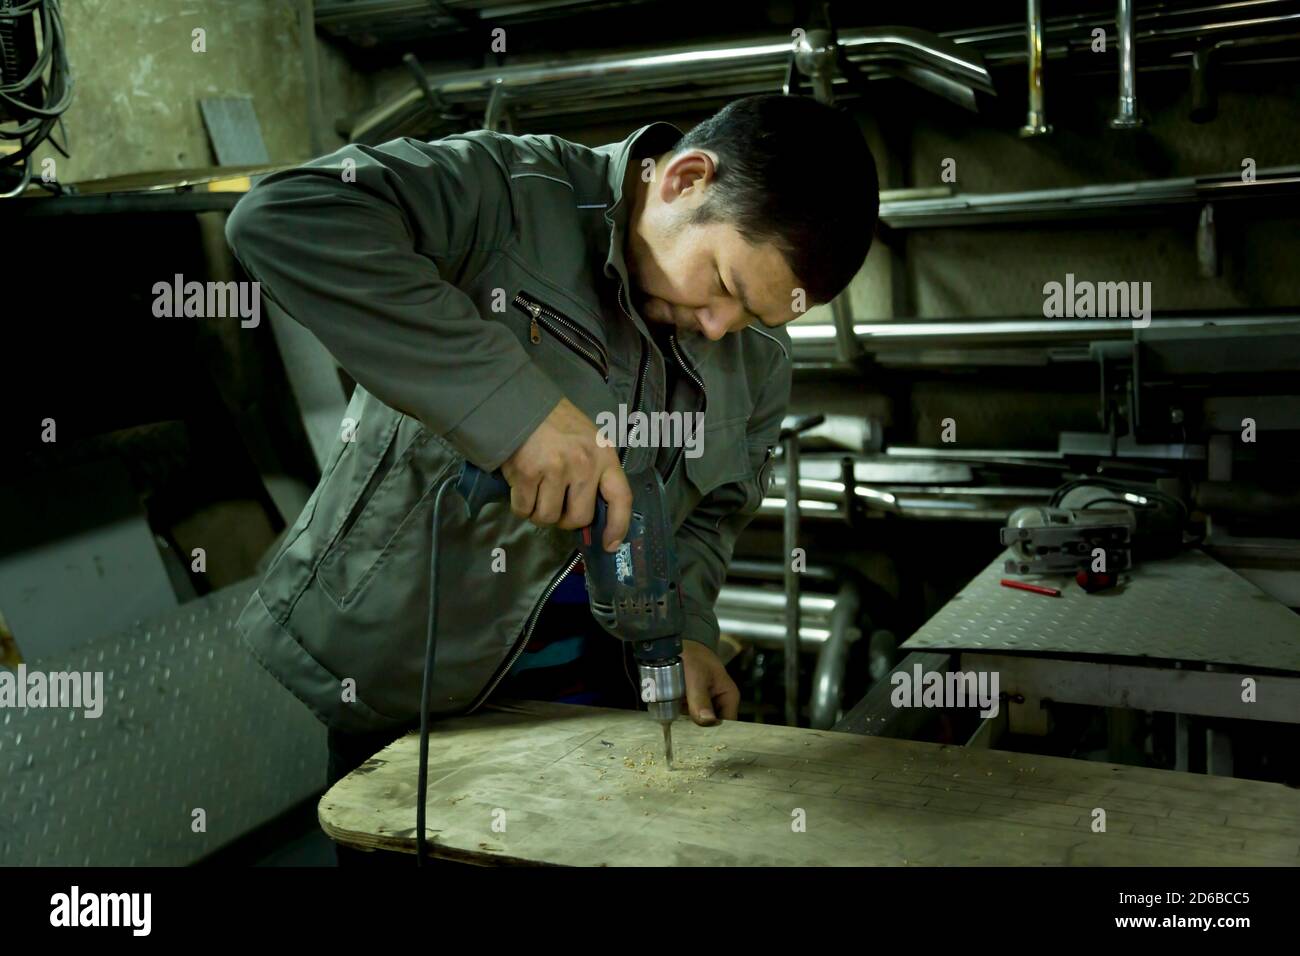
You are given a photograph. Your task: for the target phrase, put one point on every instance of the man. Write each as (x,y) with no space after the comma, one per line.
(492,296)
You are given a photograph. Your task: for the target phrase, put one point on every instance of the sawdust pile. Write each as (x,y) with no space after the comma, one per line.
(643,770)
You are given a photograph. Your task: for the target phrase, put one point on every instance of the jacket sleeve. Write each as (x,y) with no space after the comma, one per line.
(364,246)
(708,535)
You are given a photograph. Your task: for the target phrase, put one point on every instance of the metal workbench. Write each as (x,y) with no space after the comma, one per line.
(1189,608)
(1183,635)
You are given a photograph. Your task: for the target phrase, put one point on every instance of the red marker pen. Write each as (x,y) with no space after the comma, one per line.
(1036,588)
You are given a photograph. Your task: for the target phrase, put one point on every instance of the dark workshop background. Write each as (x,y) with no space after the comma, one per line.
(177,434)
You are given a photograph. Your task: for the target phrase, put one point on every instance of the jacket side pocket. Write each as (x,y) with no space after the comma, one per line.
(400,504)
(369,511)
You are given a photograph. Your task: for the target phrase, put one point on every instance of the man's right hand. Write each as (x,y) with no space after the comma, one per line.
(554,476)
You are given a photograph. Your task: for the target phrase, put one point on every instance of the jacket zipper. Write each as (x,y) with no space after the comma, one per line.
(690,372)
(573,559)
(528,633)
(638,392)
(566,330)
(704,395)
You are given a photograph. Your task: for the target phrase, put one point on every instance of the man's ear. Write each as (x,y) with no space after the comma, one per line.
(693,169)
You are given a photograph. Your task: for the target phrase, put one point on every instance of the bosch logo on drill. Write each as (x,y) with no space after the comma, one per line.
(623,563)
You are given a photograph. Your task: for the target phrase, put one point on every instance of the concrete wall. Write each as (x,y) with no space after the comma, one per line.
(138,82)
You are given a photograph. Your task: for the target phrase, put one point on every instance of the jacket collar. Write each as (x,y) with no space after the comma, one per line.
(650,140)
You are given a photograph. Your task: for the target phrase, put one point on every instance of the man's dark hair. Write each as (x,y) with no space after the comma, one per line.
(796,173)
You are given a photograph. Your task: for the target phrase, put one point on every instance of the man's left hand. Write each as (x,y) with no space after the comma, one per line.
(710,691)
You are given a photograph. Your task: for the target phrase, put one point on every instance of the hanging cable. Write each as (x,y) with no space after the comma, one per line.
(27,99)
(426,684)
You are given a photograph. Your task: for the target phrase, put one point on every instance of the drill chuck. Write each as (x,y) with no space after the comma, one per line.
(663,685)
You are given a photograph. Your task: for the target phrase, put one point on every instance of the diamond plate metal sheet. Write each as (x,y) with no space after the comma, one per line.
(1187,608)
(190,720)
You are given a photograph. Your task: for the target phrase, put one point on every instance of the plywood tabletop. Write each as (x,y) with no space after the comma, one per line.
(555,784)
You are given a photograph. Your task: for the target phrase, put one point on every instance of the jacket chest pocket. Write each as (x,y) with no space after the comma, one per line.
(736,469)
(549,325)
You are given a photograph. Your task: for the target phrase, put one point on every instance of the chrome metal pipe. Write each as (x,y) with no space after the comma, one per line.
(815,57)
(771,634)
(760,61)
(932,342)
(1036,122)
(832,661)
(847,346)
(791,583)
(742,599)
(1205,103)
(494,117)
(951,64)
(1207,244)
(940,54)
(1063,34)
(1126,116)
(1102,199)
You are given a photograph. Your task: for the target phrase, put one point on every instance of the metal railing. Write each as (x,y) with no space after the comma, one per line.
(734,66)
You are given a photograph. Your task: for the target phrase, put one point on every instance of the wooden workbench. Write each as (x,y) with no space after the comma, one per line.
(542,783)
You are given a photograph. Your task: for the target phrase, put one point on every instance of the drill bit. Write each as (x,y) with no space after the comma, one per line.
(668,741)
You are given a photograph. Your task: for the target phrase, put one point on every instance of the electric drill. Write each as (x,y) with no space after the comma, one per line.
(634,592)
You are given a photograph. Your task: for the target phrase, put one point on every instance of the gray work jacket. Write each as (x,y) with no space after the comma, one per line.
(467,285)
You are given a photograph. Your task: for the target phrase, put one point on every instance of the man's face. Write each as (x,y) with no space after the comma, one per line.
(703,278)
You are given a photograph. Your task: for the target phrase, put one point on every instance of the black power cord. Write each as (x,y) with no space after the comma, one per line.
(35,105)
(1122,487)
(426,684)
